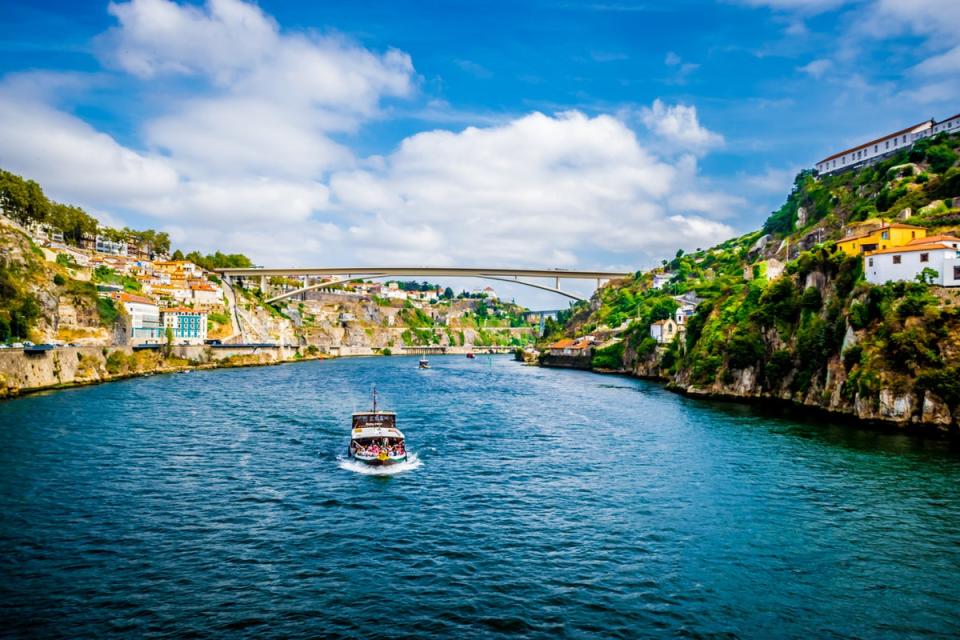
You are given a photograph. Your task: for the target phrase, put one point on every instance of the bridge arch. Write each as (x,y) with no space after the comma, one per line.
(340,275)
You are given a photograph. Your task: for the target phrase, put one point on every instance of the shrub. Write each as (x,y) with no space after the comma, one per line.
(116,362)
(59,280)
(108,312)
(705,370)
(744,349)
(941,158)
(811,299)
(386,351)
(852,356)
(609,357)
(943,382)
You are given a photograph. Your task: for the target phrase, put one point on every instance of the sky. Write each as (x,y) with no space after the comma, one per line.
(601,134)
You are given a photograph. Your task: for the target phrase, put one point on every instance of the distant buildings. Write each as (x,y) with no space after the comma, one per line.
(939,253)
(875,150)
(105,245)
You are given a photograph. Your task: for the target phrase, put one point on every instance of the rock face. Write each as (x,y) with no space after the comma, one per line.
(22,372)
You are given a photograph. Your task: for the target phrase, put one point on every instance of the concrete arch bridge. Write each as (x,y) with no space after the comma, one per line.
(339,275)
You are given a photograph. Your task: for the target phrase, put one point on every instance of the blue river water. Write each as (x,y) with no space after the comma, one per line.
(542,503)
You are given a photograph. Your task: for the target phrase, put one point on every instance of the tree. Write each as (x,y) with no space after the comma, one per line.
(178,255)
(941,157)
(447,293)
(927,276)
(74,222)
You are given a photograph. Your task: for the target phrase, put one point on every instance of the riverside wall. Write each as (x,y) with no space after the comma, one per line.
(24,372)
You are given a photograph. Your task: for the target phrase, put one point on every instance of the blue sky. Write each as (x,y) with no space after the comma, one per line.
(557,134)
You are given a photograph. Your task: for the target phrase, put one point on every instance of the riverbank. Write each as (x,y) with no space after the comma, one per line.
(893,411)
(22,372)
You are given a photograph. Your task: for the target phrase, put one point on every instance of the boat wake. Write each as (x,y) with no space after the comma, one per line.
(412,462)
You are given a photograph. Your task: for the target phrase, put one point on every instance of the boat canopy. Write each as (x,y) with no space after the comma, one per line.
(375,432)
(384,419)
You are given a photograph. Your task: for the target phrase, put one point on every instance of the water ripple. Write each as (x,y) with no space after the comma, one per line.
(539,504)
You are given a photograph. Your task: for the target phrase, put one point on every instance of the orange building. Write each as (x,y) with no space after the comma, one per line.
(886,237)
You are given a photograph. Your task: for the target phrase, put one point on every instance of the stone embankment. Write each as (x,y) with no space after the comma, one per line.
(23,372)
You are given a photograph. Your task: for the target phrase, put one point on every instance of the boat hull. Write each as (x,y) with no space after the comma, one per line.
(379,462)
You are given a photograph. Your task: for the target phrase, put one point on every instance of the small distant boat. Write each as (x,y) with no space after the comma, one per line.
(375,439)
(424,363)
(470,355)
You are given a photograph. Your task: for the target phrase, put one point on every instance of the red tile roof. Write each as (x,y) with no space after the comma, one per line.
(129,297)
(182,310)
(935,246)
(937,238)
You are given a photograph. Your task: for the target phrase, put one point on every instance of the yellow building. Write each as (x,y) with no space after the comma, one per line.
(886,237)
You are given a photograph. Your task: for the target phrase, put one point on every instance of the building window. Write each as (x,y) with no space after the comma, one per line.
(885,235)
(875,147)
(887,145)
(896,259)
(870,261)
(924,257)
(956,273)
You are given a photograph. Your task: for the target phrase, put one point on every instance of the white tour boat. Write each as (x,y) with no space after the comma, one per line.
(375,439)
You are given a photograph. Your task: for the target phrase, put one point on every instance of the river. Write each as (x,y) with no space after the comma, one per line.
(543,503)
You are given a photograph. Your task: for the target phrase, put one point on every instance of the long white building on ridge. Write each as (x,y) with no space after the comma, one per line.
(870,152)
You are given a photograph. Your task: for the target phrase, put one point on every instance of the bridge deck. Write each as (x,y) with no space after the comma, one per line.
(425,271)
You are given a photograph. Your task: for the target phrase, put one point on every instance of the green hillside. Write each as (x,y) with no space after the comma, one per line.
(817,333)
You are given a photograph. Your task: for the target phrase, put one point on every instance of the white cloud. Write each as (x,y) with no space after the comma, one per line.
(274,98)
(158,36)
(810,7)
(537,190)
(942,64)
(920,17)
(67,155)
(816,68)
(248,161)
(678,125)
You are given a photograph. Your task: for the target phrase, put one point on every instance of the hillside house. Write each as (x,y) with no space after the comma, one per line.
(189,326)
(571,347)
(103,244)
(940,253)
(144,318)
(664,331)
(660,279)
(886,237)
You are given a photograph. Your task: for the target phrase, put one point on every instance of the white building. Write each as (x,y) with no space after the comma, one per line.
(683,313)
(189,326)
(874,150)
(144,318)
(663,331)
(104,245)
(939,253)
(206,294)
(660,279)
